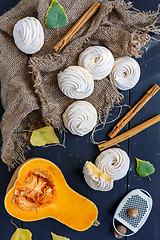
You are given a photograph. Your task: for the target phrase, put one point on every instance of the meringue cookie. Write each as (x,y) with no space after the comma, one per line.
(114,161)
(97,60)
(76,82)
(96,179)
(125,73)
(28,35)
(80,118)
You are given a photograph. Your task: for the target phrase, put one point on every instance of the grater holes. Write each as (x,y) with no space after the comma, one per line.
(138,202)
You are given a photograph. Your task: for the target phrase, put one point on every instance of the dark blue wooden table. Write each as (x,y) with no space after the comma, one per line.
(71,159)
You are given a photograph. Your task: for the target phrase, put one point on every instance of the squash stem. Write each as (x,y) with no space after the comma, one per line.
(96,223)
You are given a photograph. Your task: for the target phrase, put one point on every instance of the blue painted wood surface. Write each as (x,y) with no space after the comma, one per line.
(71,159)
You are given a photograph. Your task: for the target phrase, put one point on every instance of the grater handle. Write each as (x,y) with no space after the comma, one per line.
(147,193)
(124,235)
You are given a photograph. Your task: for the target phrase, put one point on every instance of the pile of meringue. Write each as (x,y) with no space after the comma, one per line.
(77,82)
(96,63)
(112,164)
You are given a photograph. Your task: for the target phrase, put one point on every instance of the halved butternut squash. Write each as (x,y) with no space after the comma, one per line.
(38,190)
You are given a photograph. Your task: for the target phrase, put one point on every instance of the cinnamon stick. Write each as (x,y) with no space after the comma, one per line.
(149,94)
(130,133)
(85,17)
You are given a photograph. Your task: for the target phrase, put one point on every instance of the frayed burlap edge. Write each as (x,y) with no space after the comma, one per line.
(22,146)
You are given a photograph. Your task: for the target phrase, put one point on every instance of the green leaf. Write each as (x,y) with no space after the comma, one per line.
(144,168)
(57,237)
(43,136)
(55,16)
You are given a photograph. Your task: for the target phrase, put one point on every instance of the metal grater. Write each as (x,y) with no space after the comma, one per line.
(139,199)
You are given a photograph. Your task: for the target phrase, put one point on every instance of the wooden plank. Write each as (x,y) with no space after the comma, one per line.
(5,218)
(146,145)
(7,5)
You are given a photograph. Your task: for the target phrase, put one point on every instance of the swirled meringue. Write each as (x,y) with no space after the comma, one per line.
(28,35)
(125,73)
(76,82)
(97,60)
(114,161)
(96,179)
(80,118)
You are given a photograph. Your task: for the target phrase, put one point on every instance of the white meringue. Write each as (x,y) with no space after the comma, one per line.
(80,118)
(97,60)
(114,161)
(28,35)
(76,82)
(96,179)
(125,73)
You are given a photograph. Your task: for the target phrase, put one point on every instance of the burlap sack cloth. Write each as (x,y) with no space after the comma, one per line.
(30,95)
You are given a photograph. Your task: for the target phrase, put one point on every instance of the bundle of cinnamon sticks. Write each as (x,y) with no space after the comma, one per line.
(132,132)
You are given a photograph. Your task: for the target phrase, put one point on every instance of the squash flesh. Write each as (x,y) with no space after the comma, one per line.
(35,191)
(46,194)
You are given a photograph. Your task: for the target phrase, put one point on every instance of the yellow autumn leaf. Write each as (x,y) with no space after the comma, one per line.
(57,237)
(21,234)
(43,136)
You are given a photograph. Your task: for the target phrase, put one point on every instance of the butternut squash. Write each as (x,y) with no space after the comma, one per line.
(38,190)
